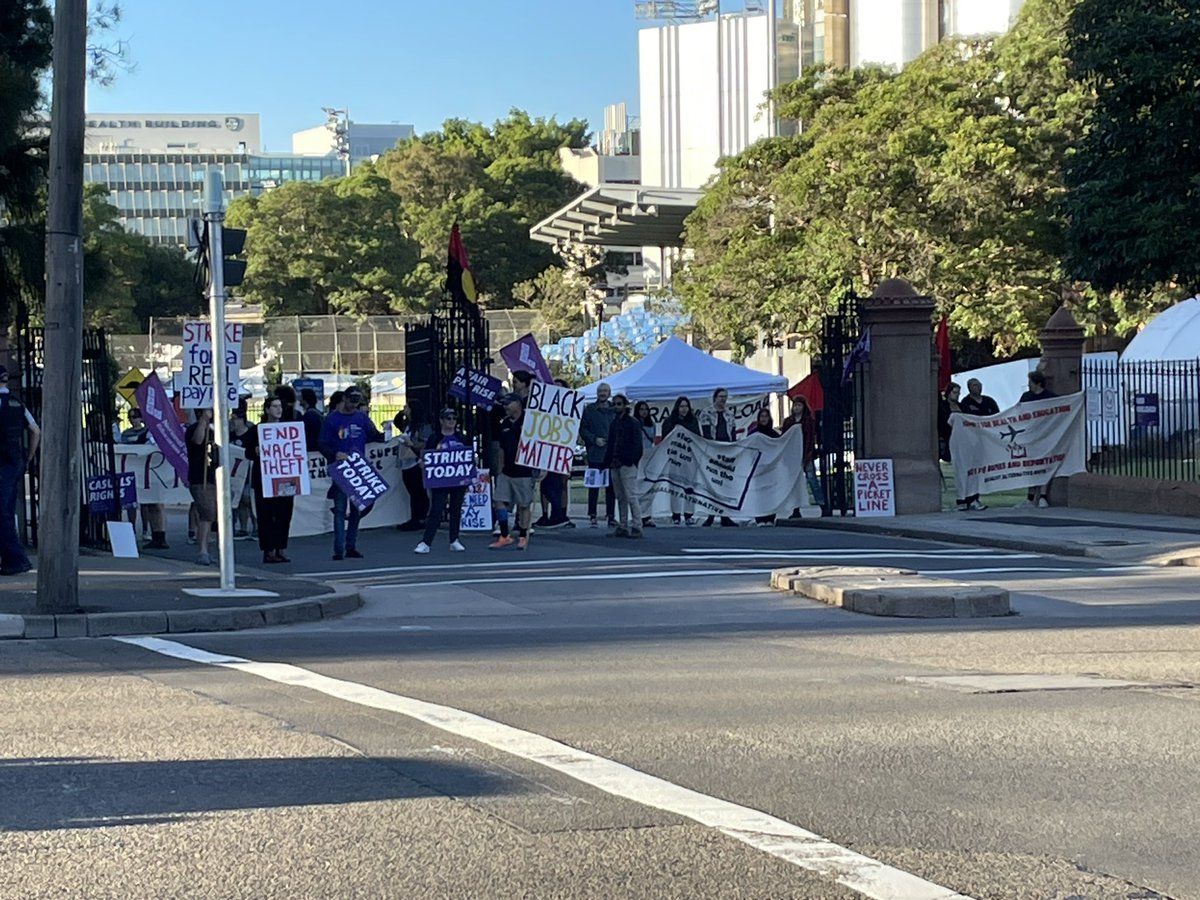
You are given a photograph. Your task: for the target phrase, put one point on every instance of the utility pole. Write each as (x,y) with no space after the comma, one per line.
(58,522)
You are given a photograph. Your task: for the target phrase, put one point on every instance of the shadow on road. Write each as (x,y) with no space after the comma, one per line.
(66,793)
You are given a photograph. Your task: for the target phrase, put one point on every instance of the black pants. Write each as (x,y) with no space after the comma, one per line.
(417,497)
(438,509)
(594,501)
(274,521)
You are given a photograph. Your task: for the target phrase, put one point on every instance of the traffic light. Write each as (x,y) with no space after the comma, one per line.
(233,242)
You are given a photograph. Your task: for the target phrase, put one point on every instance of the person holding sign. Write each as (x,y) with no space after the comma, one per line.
(439,483)
(681,416)
(274,509)
(622,453)
(514,484)
(346,430)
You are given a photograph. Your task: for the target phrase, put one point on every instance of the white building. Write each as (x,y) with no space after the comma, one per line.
(172,132)
(365,140)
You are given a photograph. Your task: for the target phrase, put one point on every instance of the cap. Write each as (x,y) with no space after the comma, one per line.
(3,376)
(448,413)
(353,394)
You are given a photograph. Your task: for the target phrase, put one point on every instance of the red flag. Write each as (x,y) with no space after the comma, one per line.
(809,387)
(460,283)
(942,342)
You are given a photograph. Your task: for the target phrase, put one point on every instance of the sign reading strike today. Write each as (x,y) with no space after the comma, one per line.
(551,428)
(283,459)
(874,488)
(197,391)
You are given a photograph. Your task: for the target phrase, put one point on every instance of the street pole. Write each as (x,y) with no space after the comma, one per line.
(62,374)
(772,67)
(214,216)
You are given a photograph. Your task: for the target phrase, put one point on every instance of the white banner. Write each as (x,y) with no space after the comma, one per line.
(756,476)
(551,428)
(197,380)
(1023,447)
(157,481)
(283,459)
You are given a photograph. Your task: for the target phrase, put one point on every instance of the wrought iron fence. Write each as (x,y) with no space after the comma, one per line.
(839,332)
(1143,418)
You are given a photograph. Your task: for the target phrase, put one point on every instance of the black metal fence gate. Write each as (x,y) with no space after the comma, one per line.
(99,414)
(839,333)
(454,337)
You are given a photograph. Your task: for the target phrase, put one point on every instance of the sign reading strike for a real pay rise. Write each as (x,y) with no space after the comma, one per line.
(197,389)
(283,459)
(874,488)
(552,416)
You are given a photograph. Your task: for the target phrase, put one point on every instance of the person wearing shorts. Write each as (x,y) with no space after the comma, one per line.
(514,483)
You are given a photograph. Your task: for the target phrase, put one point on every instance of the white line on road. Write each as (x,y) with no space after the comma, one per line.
(750,826)
(512,578)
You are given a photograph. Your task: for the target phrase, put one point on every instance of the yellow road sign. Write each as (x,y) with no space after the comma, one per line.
(129,383)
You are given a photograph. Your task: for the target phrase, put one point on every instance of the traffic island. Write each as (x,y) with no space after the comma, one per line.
(892,592)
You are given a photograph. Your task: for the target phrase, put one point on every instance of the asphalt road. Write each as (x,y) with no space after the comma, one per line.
(611,718)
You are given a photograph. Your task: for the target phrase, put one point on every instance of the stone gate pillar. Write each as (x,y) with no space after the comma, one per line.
(1062,364)
(899,386)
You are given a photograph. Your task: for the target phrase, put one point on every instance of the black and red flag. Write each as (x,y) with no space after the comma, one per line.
(459,281)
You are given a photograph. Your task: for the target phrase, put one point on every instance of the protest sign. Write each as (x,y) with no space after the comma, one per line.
(756,476)
(483,388)
(103,499)
(164,426)
(551,428)
(874,488)
(595,478)
(523,355)
(1025,446)
(358,480)
(283,459)
(157,481)
(197,391)
(317,385)
(448,467)
(477,505)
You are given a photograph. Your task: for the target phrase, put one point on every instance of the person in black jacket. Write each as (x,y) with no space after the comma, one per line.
(622,453)
(682,416)
(446,437)
(274,513)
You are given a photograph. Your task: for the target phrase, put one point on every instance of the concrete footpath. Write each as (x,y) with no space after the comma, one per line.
(150,596)
(1127,538)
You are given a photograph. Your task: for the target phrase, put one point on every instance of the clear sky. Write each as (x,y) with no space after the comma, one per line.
(418,62)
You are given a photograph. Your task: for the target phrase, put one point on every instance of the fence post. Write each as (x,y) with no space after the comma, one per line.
(1062,364)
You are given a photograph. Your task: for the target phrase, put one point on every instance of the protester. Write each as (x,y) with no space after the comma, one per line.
(346,430)
(977,403)
(593,429)
(312,418)
(622,453)
(202,479)
(555,493)
(153,516)
(274,513)
(947,406)
(16,422)
(1036,496)
(716,424)
(239,428)
(681,417)
(415,430)
(447,437)
(764,424)
(521,382)
(514,483)
(642,416)
(802,416)
(287,396)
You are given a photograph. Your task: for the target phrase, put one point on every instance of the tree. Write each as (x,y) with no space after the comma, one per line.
(1134,196)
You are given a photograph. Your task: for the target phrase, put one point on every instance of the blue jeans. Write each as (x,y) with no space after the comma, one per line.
(814,483)
(552,491)
(345,533)
(12,554)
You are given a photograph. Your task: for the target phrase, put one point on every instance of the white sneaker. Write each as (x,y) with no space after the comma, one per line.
(977,505)
(422,548)
(457,547)
(1024,504)
(1043,503)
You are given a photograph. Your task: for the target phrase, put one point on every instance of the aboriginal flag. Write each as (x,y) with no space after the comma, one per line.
(459,281)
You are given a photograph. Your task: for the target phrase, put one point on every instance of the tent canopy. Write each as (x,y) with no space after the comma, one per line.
(1173,334)
(675,368)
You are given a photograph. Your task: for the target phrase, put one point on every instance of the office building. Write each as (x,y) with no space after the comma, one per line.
(364,140)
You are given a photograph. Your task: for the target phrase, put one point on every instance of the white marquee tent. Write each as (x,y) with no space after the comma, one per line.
(676,368)
(1173,334)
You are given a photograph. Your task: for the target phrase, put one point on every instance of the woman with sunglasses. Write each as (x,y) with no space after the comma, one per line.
(446,436)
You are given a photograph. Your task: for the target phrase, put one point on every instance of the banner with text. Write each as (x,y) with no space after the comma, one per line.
(164,426)
(874,488)
(197,390)
(484,389)
(756,476)
(551,428)
(358,480)
(157,481)
(283,459)
(1023,447)
(448,467)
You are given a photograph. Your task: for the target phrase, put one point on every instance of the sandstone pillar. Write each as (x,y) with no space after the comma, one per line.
(1062,364)
(899,391)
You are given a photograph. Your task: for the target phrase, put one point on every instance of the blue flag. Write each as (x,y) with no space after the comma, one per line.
(860,354)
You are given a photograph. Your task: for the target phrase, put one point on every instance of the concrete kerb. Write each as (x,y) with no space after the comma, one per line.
(341,600)
(892,592)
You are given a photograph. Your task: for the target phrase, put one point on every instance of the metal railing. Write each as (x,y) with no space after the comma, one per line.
(1143,418)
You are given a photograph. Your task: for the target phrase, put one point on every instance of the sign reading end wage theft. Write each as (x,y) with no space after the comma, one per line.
(551,428)
(283,459)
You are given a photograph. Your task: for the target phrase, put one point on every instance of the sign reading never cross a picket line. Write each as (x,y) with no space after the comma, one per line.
(449,467)
(358,480)
(551,428)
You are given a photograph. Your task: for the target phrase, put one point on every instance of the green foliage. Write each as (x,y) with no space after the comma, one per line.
(559,298)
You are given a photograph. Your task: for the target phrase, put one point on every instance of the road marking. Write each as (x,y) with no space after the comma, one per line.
(869,551)
(764,832)
(1079,570)
(502,578)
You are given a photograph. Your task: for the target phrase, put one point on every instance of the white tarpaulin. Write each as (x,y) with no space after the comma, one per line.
(1023,447)
(157,480)
(756,476)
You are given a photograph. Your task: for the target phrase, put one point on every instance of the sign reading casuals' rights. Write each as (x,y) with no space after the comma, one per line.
(874,488)
(551,428)
(283,459)
(102,497)
(448,467)
(197,391)
(358,480)
(1024,446)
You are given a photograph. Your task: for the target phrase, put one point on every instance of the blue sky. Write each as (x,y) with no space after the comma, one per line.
(413,61)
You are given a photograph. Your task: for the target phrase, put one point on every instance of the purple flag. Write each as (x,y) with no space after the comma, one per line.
(163,424)
(356,477)
(523,355)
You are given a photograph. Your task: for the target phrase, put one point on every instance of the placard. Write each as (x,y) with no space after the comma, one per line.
(448,467)
(1145,410)
(197,380)
(596,478)
(551,428)
(358,480)
(122,540)
(316,384)
(102,499)
(477,505)
(874,488)
(484,388)
(524,355)
(283,459)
